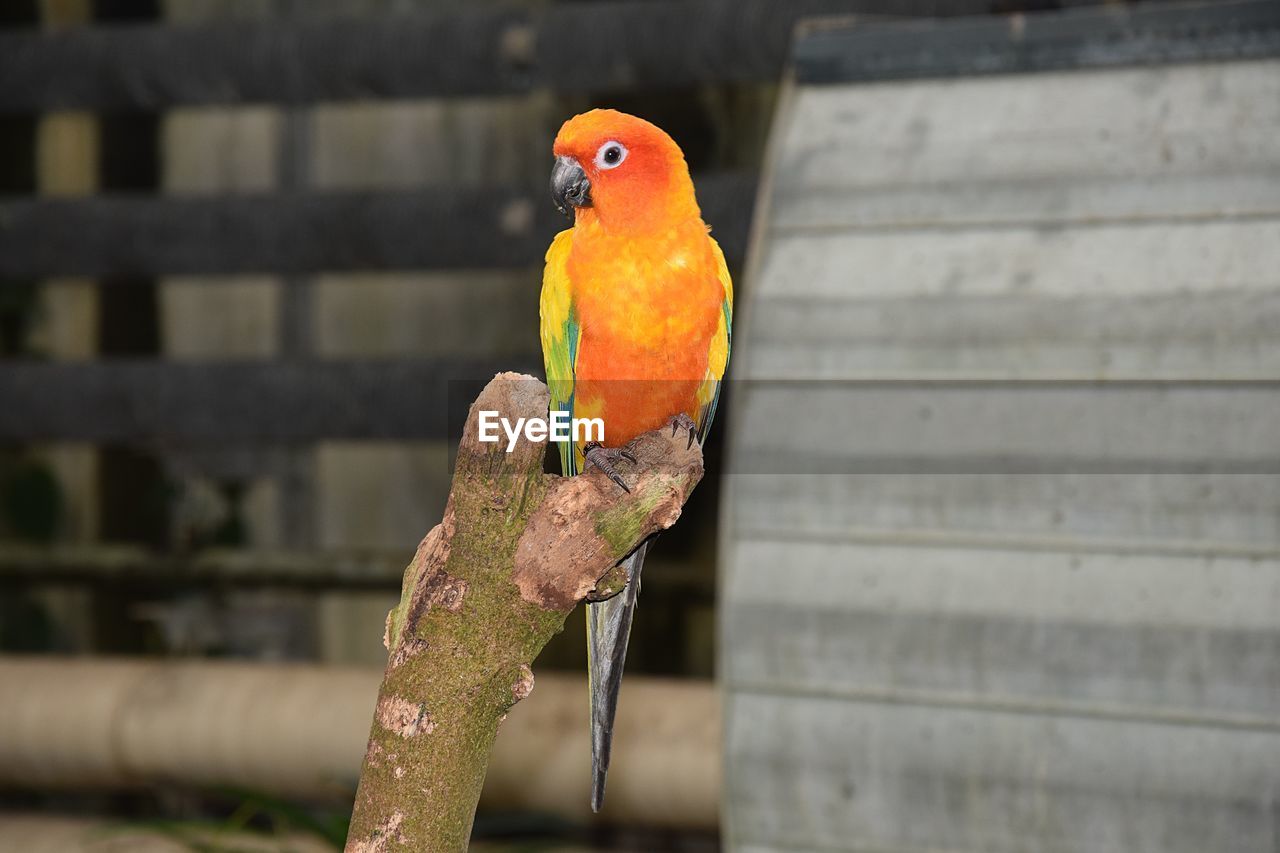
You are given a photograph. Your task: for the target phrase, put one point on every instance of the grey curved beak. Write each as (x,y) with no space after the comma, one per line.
(570,187)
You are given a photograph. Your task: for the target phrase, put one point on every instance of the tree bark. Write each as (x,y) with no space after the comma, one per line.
(489,586)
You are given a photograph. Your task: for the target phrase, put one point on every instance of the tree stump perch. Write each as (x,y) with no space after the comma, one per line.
(516,551)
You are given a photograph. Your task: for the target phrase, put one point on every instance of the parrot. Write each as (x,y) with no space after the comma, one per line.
(636,313)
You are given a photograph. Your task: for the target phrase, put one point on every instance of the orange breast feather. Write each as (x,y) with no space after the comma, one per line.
(648,311)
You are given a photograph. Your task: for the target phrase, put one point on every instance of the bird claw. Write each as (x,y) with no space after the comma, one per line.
(682,421)
(605,458)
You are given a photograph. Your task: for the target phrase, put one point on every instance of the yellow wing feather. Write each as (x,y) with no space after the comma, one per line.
(718,355)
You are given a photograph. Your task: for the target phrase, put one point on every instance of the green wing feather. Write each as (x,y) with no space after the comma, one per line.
(559,330)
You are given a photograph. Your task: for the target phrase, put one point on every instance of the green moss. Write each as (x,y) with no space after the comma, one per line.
(622,526)
(401,610)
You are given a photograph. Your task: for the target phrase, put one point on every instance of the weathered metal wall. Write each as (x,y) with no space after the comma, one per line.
(1002,557)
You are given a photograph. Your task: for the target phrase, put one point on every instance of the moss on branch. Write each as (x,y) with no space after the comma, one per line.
(516,551)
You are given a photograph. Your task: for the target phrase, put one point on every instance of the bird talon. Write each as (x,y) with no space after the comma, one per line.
(604,458)
(682,421)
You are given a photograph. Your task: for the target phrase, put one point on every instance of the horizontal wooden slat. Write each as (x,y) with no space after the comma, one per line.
(471,50)
(1007,428)
(1077,38)
(315,569)
(1158,634)
(124,564)
(1164,141)
(439,229)
(1180,513)
(1227,334)
(1047,202)
(1111,260)
(811,774)
(1011,583)
(228,403)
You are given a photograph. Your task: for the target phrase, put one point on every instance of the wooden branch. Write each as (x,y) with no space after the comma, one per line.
(488,587)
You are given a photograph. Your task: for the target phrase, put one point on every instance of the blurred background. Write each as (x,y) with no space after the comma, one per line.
(987,558)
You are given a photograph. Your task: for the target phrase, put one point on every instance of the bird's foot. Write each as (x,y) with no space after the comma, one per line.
(683,421)
(606,459)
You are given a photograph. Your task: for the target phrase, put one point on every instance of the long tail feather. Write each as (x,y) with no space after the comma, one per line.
(608,629)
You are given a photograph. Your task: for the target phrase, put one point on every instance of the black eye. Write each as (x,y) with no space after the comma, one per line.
(610,155)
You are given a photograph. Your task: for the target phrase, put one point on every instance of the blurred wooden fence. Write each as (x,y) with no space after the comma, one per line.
(614,47)
(465,51)
(348,215)
(265,210)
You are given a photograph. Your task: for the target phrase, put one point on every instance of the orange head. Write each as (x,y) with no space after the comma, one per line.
(622,172)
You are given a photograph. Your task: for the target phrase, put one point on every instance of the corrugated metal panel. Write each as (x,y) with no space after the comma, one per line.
(1002,564)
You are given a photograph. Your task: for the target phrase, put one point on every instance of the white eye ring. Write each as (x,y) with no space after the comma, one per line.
(611,155)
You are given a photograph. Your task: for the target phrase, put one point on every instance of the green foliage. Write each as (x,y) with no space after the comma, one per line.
(287,816)
(31,501)
(255,811)
(18,302)
(25,625)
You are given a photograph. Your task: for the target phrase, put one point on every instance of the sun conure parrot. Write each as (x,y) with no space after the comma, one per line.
(636,312)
